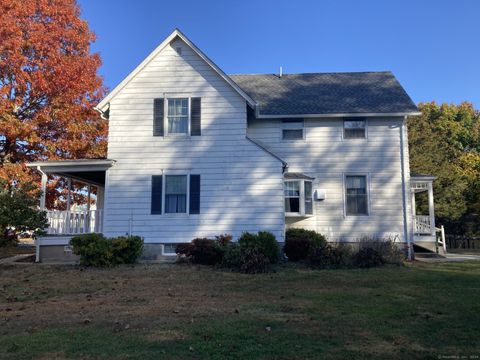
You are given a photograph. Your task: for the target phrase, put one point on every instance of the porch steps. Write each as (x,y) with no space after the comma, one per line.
(427,249)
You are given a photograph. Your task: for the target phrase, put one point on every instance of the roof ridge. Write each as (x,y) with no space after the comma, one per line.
(318,73)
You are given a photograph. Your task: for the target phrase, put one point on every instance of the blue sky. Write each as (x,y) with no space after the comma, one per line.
(432,46)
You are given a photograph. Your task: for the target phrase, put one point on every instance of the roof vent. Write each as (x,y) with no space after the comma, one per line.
(281,72)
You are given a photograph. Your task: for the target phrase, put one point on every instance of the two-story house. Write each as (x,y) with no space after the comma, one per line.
(194,152)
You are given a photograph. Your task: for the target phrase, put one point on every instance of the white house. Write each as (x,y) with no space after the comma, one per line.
(194,152)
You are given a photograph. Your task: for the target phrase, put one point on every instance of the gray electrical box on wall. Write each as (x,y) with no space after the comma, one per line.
(320,194)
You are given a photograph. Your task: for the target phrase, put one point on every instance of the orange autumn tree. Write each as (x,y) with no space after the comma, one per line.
(48,87)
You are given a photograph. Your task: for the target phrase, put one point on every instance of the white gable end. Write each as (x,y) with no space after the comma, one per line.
(175,39)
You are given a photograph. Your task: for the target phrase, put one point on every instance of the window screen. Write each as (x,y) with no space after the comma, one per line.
(175,194)
(292,196)
(178,116)
(354,128)
(356,195)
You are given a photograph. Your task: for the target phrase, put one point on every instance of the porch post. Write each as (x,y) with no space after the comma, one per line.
(431,210)
(69,187)
(88,197)
(43,196)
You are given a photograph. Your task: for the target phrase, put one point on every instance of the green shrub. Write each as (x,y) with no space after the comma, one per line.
(96,250)
(253,260)
(232,256)
(368,257)
(224,239)
(299,242)
(93,250)
(264,241)
(202,251)
(386,248)
(127,249)
(19,211)
(330,256)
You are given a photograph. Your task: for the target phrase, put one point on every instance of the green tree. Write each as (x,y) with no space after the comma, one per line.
(19,212)
(445,142)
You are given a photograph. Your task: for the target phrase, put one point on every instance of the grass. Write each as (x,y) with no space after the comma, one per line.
(180,311)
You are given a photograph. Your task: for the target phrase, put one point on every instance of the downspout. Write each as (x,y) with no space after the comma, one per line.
(405,190)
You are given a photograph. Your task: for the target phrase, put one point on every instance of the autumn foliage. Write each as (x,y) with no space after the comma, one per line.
(48,86)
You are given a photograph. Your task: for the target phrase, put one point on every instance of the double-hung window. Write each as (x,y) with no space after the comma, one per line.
(178,116)
(292,129)
(175,194)
(298,197)
(356,195)
(355,128)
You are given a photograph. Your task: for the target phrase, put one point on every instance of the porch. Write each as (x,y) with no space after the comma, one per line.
(426,234)
(75,217)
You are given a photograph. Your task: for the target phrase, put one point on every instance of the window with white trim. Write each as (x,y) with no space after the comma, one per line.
(169,249)
(178,116)
(298,197)
(356,195)
(176,194)
(355,128)
(292,129)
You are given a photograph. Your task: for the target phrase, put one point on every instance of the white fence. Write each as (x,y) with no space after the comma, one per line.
(74,222)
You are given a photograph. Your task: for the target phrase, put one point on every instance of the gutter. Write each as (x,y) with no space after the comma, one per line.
(260,116)
(268,151)
(103,114)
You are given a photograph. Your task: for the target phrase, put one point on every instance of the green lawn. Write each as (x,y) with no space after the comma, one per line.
(179,311)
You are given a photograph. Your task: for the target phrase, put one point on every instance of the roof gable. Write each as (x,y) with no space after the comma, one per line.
(103,105)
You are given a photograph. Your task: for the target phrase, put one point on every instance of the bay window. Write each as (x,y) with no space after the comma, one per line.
(298,197)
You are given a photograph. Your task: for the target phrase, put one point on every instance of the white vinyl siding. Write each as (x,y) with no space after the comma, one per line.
(327,158)
(237,194)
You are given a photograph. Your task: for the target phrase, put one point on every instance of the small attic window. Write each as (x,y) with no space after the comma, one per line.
(178,50)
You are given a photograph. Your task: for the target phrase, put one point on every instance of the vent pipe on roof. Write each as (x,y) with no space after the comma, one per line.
(281,72)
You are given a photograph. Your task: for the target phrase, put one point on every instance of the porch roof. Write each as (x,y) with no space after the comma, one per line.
(420,183)
(86,170)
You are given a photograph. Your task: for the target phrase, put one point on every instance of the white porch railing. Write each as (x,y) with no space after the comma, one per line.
(423,225)
(74,222)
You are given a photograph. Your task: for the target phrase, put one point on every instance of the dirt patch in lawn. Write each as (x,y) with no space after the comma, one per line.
(141,296)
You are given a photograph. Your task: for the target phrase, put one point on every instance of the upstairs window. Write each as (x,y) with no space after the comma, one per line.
(356,195)
(298,197)
(292,129)
(354,128)
(178,116)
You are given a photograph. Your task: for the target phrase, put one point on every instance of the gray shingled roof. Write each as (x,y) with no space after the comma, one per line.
(326,93)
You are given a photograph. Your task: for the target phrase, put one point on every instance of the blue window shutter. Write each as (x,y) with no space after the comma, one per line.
(158,112)
(157,181)
(194,194)
(196,115)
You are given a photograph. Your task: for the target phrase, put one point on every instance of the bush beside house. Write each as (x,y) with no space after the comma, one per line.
(96,250)
(253,253)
